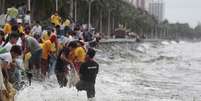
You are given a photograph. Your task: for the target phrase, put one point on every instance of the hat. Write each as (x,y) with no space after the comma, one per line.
(53,38)
(27,29)
(66,23)
(73,44)
(91,52)
(17,49)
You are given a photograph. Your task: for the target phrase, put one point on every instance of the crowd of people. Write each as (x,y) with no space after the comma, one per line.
(31,51)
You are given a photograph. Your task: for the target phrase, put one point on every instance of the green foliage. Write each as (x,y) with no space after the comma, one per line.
(180,28)
(123,13)
(135,19)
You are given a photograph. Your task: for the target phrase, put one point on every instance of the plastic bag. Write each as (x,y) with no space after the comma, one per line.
(9,94)
(73,78)
(26,60)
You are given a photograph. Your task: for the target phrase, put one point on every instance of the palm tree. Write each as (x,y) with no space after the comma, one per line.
(2,6)
(42,8)
(108,6)
(110,13)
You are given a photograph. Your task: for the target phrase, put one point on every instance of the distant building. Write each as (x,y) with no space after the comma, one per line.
(147,4)
(138,3)
(156,8)
(153,7)
(132,2)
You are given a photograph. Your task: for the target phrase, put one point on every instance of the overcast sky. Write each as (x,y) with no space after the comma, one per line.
(183,11)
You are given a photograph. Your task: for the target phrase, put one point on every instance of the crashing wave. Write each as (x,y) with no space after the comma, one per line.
(165,43)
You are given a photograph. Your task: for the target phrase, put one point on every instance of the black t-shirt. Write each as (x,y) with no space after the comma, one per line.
(89,71)
(60,63)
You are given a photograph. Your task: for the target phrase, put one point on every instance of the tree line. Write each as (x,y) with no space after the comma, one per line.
(179,30)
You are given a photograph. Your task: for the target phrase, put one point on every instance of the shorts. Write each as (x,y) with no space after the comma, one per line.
(88,87)
(44,66)
(36,57)
(61,78)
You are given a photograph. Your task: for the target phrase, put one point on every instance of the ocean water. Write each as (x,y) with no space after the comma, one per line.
(166,71)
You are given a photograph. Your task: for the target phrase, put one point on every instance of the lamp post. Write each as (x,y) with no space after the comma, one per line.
(29,16)
(75,4)
(89,19)
(3,6)
(29,5)
(56,5)
(71,8)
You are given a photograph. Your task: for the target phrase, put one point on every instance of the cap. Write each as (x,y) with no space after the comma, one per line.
(91,52)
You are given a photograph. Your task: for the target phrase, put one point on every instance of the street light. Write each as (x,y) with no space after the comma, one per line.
(56,5)
(28,13)
(29,5)
(89,19)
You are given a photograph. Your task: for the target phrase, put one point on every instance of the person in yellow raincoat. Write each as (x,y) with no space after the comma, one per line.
(20,26)
(7,28)
(77,55)
(45,36)
(56,19)
(47,50)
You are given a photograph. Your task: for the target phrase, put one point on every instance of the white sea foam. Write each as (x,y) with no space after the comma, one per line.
(164,73)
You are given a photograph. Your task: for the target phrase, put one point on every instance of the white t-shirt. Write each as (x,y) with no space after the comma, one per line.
(2,86)
(36,30)
(19,42)
(6,57)
(8,46)
(27,19)
(1,45)
(2,19)
(62,27)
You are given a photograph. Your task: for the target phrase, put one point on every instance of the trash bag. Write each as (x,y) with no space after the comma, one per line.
(10,92)
(26,60)
(73,77)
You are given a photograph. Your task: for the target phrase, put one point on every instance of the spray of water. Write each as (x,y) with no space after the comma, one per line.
(167,71)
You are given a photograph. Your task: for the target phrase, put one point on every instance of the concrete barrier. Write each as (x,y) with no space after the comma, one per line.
(117,40)
(112,45)
(128,40)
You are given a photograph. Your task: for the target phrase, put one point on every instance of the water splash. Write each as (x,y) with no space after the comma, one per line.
(167,71)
